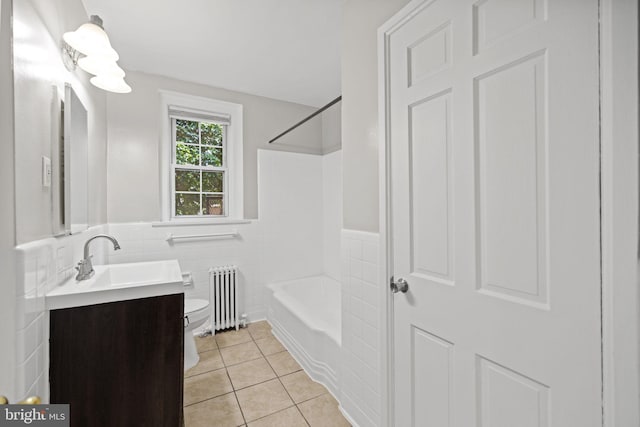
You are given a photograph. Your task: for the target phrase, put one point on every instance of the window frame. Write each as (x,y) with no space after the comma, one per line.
(232,155)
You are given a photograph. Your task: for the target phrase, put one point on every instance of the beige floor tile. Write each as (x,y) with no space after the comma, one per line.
(205,386)
(233,337)
(270,345)
(283,363)
(221,411)
(290,417)
(301,387)
(209,361)
(263,399)
(250,373)
(240,353)
(322,411)
(259,330)
(205,343)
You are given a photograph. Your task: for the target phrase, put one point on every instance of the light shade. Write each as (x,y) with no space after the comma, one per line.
(90,39)
(111,83)
(95,65)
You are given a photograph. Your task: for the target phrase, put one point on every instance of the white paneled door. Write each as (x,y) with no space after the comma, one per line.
(492,114)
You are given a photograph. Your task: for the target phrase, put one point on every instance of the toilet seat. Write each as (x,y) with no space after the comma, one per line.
(196,314)
(196,310)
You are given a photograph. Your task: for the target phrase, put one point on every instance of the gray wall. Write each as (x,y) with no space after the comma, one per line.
(7,218)
(360,109)
(38,69)
(134,138)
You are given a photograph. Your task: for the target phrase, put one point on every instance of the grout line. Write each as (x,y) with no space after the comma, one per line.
(314,397)
(202,373)
(278,377)
(278,411)
(240,363)
(204,400)
(238,401)
(261,382)
(303,417)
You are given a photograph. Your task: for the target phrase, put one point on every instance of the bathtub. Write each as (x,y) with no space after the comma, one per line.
(305,315)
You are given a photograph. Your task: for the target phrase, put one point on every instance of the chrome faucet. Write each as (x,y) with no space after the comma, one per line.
(85,268)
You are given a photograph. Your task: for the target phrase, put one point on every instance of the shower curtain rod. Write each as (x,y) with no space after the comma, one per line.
(338,99)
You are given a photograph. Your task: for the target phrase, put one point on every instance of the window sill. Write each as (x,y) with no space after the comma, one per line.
(192,222)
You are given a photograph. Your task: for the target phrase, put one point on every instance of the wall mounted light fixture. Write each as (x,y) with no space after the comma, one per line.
(89,48)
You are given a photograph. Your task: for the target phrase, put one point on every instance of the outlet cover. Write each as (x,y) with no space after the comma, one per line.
(46,172)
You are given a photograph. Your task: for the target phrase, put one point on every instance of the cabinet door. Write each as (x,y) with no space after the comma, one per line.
(119,364)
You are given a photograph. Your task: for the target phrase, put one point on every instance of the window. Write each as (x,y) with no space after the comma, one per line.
(199,168)
(201,159)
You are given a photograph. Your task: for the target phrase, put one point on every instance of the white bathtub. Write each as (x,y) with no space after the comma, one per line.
(306,316)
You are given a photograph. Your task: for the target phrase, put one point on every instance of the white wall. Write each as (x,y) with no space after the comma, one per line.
(332,212)
(290,209)
(38,69)
(134,135)
(360,109)
(7,217)
(332,128)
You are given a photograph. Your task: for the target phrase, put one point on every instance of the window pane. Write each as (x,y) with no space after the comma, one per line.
(211,156)
(187,154)
(213,205)
(211,134)
(187,180)
(187,204)
(187,131)
(212,182)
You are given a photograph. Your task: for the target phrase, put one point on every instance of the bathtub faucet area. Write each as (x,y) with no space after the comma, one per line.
(85,267)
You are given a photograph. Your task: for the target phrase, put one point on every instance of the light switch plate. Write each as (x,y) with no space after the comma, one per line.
(46,172)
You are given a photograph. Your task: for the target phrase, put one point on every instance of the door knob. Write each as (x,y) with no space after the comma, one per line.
(399,285)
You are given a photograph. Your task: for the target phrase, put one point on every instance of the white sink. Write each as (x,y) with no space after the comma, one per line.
(119,282)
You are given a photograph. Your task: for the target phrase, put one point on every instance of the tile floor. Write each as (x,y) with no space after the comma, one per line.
(247,378)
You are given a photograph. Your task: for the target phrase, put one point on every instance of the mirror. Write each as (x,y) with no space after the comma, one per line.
(70,167)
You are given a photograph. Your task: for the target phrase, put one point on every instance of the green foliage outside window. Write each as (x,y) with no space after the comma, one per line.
(200,145)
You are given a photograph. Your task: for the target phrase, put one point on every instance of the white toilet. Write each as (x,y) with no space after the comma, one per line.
(196,313)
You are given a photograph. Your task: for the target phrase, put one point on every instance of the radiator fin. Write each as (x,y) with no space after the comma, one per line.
(223,283)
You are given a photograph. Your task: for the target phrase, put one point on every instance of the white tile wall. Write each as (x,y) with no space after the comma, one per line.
(361,378)
(40,266)
(144,242)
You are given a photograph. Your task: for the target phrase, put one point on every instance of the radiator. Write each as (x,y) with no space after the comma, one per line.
(223,285)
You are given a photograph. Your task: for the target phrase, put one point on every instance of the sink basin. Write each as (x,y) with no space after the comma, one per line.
(118,282)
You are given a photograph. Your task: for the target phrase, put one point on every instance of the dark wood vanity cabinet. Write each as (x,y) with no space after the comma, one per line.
(119,364)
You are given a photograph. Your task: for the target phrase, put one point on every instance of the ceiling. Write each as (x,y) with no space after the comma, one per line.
(283,49)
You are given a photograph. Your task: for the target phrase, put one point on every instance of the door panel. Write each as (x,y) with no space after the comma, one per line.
(494,158)
(432,383)
(508,399)
(430,192)
(511,183)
